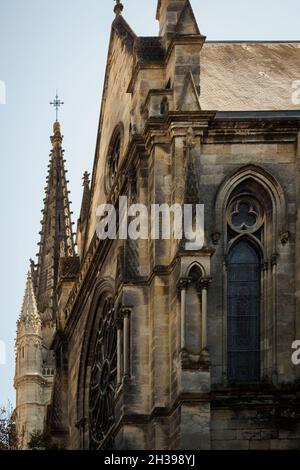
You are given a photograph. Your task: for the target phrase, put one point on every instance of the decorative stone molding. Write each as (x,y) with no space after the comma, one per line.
(192,362)
(216,236)
(183,283)
(205,282)
(284,238)
(190,140)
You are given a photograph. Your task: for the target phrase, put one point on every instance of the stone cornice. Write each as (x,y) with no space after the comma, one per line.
(184,40)
(29,378)
(253,130)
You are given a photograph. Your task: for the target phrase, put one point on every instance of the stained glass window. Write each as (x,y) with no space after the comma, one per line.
(244,313)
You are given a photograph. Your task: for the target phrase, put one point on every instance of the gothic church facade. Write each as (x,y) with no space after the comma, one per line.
(145,344)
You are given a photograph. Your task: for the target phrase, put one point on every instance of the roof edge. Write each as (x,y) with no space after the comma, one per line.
(252,42)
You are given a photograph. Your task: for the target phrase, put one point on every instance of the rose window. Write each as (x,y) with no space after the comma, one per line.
(113,161)
(103,378)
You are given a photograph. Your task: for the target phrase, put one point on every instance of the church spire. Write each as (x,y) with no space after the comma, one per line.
(56,234)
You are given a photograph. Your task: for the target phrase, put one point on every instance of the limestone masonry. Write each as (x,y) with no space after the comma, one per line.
(142,344)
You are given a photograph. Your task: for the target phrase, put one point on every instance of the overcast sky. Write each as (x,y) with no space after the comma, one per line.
(63,44)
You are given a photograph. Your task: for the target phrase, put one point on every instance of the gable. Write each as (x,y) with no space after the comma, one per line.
(116,106)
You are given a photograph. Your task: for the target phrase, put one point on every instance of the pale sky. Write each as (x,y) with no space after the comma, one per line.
(63,44)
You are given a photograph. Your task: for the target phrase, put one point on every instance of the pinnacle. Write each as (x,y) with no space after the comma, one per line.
(29,310)
(118,8)
(86,178)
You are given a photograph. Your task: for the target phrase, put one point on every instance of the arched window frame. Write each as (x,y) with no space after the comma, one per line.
(253,323)
(104,291)
(275,236)
(164,106)
(194,277)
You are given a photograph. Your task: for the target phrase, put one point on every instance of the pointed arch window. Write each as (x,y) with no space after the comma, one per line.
(193,320)
(252,225)
(193,315)
(245,222)
(164,106)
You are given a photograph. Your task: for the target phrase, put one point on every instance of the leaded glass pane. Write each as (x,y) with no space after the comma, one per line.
(244,314)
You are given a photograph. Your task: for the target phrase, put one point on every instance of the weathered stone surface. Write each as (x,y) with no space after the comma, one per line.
(172,388)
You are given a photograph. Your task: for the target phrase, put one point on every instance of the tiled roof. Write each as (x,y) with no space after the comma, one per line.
(249,76)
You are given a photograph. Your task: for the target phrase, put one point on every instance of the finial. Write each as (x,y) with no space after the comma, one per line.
(56,103)
(118,8)
(56,138)
(86,178)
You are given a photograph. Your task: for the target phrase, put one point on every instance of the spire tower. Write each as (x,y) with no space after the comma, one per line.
(56,236)
(29,379)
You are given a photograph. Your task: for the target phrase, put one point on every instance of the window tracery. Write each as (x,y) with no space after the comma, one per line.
(113,159)
(245,215)
(245,220)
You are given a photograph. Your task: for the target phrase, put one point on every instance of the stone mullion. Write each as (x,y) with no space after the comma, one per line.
(119,351)
(274,309)
(204,283)
(265,303)
(182,286)
(126,341)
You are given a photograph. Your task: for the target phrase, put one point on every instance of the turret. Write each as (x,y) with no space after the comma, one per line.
(29,379)
(176,17)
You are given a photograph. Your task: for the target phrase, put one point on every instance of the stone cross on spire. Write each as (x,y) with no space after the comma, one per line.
(57,103)
(118,7)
